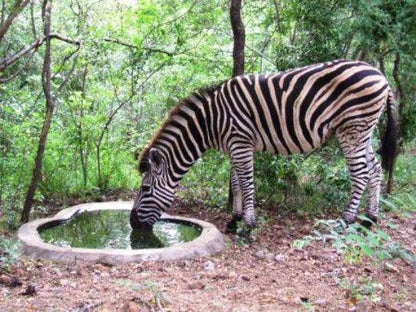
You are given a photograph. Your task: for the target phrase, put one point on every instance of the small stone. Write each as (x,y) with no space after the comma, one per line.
(270,257)
(30,291)
(378,286)
(290,252)
(260,254)
(196,285)
(279,258)
(209,266)
(131,307)
(245,278)
(4,279)
(321,302)
(390,268)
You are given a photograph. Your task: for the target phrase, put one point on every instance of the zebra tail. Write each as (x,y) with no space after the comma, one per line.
(389,143)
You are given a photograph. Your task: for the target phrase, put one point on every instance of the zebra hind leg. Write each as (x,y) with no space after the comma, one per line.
(375,171)
(237,204)
(242,158)
(354,147)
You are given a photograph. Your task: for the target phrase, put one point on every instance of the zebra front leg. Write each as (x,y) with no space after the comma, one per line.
(237,204)
(242,162)
(374,170)
(355,152)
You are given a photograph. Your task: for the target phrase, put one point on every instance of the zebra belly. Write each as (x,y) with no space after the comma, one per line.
(269,148)
(285,146)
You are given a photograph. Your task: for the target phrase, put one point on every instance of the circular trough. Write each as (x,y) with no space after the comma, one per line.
(209,242)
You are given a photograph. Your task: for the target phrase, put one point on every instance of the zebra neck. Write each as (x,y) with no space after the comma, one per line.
(185,136)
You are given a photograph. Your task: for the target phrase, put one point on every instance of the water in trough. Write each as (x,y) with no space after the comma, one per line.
(110,229)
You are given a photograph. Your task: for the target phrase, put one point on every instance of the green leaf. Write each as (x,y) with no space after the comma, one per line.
(367,250)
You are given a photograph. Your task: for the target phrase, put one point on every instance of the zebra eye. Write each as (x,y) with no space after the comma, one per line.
(146,188)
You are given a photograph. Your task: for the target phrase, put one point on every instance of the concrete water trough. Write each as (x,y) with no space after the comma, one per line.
(208,242)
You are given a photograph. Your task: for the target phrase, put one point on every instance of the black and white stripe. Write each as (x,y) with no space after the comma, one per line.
(288,112)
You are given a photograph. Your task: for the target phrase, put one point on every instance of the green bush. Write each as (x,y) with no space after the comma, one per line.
(9,252)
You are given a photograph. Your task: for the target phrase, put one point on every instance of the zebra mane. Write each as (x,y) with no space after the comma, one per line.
(202,92)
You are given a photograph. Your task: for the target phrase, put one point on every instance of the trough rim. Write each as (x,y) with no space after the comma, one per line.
(209,242)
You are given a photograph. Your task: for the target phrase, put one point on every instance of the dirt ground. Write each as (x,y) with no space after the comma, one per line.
(267,275)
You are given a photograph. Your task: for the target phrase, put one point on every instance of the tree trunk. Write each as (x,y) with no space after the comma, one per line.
(239,37)
(238,56)
(402,101)
(46,85)
(82,150)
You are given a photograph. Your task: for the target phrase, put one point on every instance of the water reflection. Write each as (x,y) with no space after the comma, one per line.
(111,230)
(144,239)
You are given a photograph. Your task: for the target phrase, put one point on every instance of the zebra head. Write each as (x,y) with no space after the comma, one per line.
(155,194)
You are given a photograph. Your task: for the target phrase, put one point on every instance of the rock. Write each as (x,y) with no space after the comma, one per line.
(321,302)
(5,280)
(390,268)
(260,254)
(131,307)
(379,286)
(290,252)
(209,265)
(232,274)
(245,278)
(196,285)
(270,257)
(279,258)
(10,281)
(30,291)
(323,255)
(410,305)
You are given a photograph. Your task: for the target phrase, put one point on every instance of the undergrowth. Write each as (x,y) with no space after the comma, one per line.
(9,252)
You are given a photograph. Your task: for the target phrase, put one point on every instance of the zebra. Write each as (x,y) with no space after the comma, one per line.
(294,111)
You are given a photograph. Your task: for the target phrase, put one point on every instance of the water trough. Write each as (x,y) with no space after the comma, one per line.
(209,241)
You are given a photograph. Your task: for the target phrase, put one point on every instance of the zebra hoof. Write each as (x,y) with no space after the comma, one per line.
(372,220)
(245,235)
(231,227)
(349,220)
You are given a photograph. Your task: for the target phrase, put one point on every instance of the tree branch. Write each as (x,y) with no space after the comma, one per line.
(17,8)
(181,15)
(70,72)
(131,46)
(14,75)
(65,39)
(10,60)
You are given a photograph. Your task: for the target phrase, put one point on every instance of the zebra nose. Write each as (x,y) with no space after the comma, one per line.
(136,224)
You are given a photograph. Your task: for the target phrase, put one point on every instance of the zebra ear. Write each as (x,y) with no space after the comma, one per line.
(155,158)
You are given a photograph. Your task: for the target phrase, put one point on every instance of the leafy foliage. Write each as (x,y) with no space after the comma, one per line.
(136,61)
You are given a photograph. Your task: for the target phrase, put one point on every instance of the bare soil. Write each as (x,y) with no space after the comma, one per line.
(267,275)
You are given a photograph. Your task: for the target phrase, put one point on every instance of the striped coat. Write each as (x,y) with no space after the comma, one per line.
(288,112)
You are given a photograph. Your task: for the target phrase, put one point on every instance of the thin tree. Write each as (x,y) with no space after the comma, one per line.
(50,104)
(238,54)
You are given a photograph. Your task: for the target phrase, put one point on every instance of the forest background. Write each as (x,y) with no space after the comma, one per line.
(84,84)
